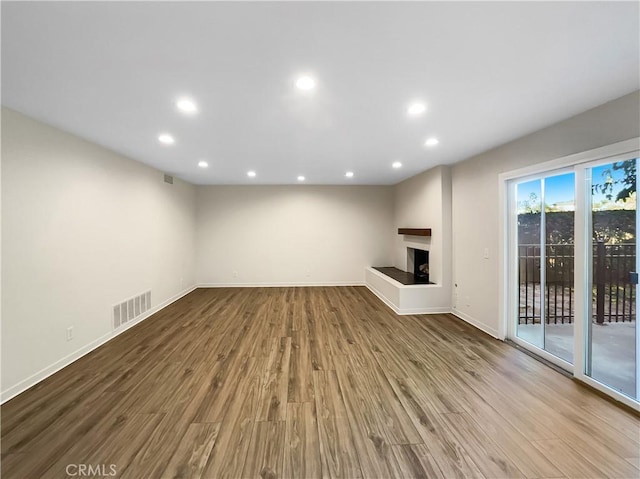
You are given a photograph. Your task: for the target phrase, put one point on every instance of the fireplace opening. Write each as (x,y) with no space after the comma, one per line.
(421,264)
(418,264)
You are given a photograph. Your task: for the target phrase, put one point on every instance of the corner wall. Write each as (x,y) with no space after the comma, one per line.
(83,228)
(475,190)
(424,201)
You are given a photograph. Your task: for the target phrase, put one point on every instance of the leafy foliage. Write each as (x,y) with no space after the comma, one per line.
(628,181)
(611,226)
(530,205)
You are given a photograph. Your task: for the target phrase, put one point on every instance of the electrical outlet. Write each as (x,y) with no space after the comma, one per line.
(69,333)
(486,253)
(308,273)
(455,295)
(467,301)
(235,274)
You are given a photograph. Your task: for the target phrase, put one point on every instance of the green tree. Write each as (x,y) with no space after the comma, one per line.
(627,182)
(532,205)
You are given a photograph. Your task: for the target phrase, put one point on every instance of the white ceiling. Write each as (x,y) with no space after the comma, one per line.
(490,72)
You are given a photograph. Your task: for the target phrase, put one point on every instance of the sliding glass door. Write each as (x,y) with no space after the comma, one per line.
(572,269)
(611,333)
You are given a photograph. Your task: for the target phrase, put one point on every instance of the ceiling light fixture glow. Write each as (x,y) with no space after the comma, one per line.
(251,174)
(186,105)
(431,142)
(416,109)
(349,174)
(166,139)
(305,83)
(396,164)
(203,164)
(301,178)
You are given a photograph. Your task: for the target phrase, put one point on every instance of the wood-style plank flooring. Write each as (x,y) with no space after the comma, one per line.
(312,383)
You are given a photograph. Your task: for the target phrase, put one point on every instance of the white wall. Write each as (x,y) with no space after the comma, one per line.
(476,203)
(82,229)
(292,234)
(424,201)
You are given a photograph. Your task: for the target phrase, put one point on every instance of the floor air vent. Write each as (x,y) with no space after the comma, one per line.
(131,309)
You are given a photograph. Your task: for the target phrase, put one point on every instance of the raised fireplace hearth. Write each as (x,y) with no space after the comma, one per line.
(400,276)
(407,287)
(401,293)
(417,268)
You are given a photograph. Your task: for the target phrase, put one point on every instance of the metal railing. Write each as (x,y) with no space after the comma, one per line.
(613,294)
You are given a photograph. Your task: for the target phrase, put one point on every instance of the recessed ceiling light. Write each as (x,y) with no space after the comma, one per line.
(203,164)
(301,178)
(166,139)
(431,142)
(305,83)
(349,174)
(186,105)
(416,109)
(251,174)
(396,164)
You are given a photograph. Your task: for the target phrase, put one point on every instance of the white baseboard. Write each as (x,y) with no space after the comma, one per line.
(278,285)
(64,362)
(474,322)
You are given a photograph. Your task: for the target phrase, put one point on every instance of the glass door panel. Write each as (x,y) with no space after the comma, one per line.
(529,327)
(559,218)
(545,249)
(611,356)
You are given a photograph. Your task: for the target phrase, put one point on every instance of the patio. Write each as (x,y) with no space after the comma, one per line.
(613,350)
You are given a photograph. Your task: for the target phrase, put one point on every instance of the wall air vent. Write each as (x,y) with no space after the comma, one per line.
(168,179)
(131,308)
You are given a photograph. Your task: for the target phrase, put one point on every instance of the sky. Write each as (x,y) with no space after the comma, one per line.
(557,189)
(560,188)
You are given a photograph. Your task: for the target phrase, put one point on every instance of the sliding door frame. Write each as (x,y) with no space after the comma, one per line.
(584,227)
(511,327)
(508,309)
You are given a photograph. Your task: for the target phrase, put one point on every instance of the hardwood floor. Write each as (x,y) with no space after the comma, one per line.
(312,382)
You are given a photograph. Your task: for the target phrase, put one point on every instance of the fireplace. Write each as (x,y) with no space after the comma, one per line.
(418,264)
